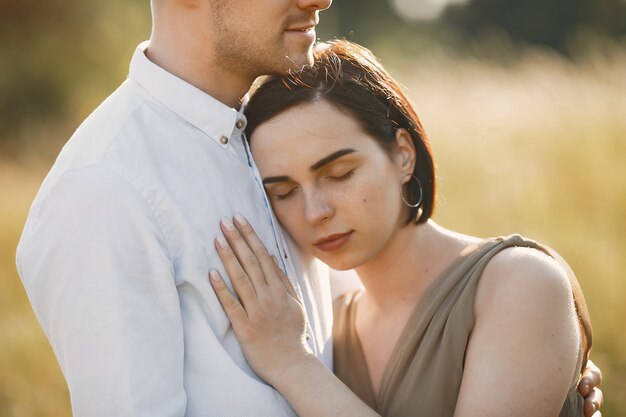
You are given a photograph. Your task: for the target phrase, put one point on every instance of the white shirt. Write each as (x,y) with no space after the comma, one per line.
(117,247)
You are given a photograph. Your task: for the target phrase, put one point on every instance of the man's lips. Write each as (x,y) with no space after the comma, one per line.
(302,27)
(332,242)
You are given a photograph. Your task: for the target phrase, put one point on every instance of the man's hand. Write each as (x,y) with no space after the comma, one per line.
(588,388)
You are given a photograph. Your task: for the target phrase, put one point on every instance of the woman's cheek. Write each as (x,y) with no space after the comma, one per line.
(290,219)
(373,191)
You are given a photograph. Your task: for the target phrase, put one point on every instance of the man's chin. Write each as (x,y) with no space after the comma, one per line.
(289,63)
(296,61)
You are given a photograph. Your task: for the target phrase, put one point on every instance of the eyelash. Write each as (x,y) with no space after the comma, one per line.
(343,177)
(284,196)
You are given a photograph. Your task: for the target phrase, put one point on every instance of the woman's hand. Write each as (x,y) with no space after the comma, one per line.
(270,324)
(267,317)
(588,388)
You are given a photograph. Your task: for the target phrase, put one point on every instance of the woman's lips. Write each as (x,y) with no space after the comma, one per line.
(333,242)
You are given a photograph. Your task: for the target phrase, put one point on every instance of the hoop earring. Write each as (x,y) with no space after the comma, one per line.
(419,185)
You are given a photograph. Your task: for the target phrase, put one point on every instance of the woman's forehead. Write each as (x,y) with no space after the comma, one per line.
(306,125)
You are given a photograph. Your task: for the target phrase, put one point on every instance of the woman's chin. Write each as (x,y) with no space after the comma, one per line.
(343,264)
(348,257)
(340,267)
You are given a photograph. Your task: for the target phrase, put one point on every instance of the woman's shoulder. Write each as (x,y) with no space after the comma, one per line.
(524,275)
(525,331)
(522,258)
(519,260)
(520,266)
(524,297)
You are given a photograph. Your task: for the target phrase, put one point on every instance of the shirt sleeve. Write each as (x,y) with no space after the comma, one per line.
(94,261)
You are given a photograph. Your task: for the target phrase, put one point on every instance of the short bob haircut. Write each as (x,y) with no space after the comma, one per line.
(350,77)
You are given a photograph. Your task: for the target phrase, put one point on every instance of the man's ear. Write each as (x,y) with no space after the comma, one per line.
(405,152)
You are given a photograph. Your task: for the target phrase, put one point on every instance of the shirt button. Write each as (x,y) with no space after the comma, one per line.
(241,124)
(224,140)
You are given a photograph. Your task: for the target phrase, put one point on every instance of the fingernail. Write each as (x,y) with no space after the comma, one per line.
(240,220)
(215,277)
(222,242)
(228,224)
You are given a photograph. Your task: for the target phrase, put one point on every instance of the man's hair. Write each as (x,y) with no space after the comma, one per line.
(351,78)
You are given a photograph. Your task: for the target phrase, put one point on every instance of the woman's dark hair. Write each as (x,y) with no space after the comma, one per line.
(352,79)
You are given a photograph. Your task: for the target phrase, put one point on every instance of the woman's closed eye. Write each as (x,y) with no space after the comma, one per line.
(282,193)
(341,177)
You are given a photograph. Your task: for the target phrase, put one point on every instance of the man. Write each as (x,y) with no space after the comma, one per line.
(118,243)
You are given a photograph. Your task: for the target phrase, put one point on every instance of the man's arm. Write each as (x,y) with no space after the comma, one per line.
(95,265)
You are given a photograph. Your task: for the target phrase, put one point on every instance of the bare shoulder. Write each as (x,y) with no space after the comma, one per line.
(524,340)
(524,275)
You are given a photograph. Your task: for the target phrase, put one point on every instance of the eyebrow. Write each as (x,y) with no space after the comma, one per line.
(315,167)
(281,178)
(330,158)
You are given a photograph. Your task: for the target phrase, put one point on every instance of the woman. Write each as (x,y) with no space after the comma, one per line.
(445,319)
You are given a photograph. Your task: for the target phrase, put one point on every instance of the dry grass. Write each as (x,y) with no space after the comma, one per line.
(31,383)
(537,147)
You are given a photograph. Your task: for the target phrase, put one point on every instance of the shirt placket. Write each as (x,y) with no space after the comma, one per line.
(281,244)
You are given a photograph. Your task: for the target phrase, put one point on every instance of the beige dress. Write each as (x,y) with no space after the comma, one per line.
(423,376)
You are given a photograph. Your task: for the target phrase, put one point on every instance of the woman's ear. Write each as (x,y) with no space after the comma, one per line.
(405,151)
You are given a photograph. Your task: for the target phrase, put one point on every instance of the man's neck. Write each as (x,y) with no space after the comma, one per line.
(198,69)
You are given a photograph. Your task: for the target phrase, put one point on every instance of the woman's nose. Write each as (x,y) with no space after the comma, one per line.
(317,208)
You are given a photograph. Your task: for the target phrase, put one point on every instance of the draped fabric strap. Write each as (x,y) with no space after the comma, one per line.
(424,373)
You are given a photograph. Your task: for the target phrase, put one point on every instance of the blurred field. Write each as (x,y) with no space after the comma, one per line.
(536,146)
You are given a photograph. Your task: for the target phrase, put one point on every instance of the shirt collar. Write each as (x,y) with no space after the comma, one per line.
(212,117)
